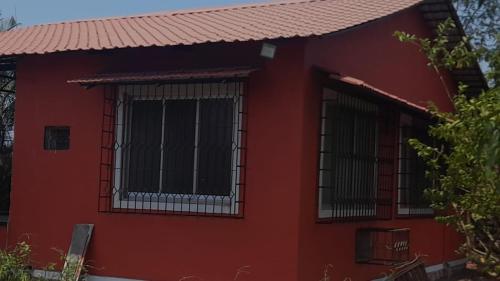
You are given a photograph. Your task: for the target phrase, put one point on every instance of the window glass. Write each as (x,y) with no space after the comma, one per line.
(348,175)
(144,147)
(56,138)
(179,144)
(178,148)
(214,147)
(412,179)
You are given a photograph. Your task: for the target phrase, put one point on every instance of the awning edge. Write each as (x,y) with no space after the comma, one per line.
(362,84)
(166,76)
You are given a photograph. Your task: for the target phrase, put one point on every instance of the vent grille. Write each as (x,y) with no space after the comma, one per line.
(56,138)
(384,246)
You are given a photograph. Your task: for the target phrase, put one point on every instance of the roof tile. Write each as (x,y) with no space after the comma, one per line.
(271,20)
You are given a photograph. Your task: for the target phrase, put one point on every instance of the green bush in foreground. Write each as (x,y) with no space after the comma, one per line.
(464,163)
(16,265)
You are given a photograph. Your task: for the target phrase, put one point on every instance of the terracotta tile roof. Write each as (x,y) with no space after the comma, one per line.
(381,93)
(215,73)
(270,20)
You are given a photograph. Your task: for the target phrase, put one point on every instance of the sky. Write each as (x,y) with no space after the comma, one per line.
(30,12)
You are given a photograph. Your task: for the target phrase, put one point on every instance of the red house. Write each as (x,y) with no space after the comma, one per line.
(270,137)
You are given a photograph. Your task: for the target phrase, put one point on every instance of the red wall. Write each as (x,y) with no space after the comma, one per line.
(371,54)
(54,190)
(278,237)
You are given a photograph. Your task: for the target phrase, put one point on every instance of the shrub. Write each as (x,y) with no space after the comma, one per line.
(14,264)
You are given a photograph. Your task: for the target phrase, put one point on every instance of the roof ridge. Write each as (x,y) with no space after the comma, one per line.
(244,6)
(181,12)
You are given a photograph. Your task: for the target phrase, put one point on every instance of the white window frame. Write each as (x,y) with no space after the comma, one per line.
(406,120)
(324,213)
(170,202)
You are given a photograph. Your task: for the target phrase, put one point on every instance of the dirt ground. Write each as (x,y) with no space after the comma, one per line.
(466,275)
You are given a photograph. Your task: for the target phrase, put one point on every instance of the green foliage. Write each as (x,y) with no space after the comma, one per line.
(481,20)
(465,174)
(14,264)
(73,269)
(7,23)
(465,168)
(437,49)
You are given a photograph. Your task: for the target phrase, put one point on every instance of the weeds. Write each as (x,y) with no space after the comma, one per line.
(15,265)
(326,274)
(242,270)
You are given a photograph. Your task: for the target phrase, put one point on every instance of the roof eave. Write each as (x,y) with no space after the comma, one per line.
(436,12)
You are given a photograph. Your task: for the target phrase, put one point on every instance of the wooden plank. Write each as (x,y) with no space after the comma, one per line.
(80,239)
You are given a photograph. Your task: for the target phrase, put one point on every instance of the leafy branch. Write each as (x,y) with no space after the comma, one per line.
(464,165)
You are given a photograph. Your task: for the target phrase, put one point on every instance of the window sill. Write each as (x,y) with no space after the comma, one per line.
(217,208)
(4,220)
(185,213)
(403,213)
(347,215)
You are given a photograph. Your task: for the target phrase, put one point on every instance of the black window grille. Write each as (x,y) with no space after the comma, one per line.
(56,138)
(174,148)
(382,245)
(6,139)
(412,179)
(7,106)
(356,158)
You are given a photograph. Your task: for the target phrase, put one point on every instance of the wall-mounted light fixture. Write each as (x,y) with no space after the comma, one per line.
(268,50)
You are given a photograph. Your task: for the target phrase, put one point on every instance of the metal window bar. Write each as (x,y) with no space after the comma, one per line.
(176,148)
(387,122)
(7,103)
(56,138)
(412,180)
(356,159)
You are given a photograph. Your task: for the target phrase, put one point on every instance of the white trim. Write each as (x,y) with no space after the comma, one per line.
(237,151)
(54,275)
(321,211)
(46,274)
(181,202)
(196,144)
(4,218)
(104,278)
(415,211)
(162,145)
(435,267)
(454,263)
(346,213)
(118,155)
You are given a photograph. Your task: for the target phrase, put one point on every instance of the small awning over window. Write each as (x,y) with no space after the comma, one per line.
(353,82)
(169,76)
